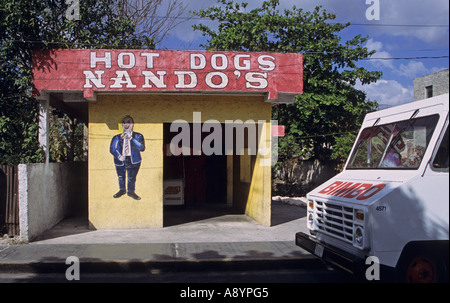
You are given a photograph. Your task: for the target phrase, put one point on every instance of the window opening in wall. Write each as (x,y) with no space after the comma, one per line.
(429,91)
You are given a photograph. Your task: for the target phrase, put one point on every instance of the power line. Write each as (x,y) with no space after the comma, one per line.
(400,25)
(408,58)
(419,50)
(305,52)
(332,23)
(327,135)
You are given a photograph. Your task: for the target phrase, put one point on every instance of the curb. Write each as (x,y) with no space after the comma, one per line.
(171,265)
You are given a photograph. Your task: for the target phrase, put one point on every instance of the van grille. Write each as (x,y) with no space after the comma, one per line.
(336,220)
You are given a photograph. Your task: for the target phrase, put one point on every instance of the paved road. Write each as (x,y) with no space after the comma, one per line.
(314,274)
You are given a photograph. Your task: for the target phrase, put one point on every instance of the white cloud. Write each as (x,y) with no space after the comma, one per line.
(410,70)
(380,53)
(430,12)
(387,93)
(436,69)
(413,69)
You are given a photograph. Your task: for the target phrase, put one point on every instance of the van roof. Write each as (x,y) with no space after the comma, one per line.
(412,106)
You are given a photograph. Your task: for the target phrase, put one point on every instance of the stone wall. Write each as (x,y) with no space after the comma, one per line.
(297,177)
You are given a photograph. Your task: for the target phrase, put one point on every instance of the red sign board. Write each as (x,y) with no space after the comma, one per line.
(279,75)
(278,130)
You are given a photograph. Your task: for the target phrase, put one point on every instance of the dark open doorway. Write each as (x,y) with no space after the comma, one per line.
(203,179)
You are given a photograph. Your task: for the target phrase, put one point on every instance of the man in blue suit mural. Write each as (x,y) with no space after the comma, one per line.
(126,149)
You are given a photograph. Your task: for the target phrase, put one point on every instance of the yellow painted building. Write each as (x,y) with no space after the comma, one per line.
(157,88)
(150,112)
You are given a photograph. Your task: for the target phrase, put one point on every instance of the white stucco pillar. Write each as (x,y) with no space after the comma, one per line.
(44,127)
(23,202)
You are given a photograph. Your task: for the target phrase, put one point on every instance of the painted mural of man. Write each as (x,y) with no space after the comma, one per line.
(126,149)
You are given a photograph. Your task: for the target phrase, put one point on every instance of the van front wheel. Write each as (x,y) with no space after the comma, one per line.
(420,264)
(422,269)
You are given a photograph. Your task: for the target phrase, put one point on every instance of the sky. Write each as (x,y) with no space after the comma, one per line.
(411,38)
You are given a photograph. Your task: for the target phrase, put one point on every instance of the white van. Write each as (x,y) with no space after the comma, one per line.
(391,201)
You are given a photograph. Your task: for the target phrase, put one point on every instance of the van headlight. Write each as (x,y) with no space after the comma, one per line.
(310,222)
(310,219)
(359,236)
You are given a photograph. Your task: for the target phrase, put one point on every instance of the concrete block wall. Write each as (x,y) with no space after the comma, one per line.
(438,80)
(48,193)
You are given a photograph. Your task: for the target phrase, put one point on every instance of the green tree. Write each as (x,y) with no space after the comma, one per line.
(323,120)
(26,25)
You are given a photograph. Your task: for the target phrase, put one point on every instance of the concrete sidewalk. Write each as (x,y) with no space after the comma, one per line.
(193,240)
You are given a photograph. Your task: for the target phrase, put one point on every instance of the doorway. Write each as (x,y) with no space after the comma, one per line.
(204,177)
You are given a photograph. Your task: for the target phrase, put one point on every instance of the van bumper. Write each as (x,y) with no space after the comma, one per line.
(330,254)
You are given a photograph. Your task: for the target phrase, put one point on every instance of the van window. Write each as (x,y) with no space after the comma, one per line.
(399,145)
(440,161)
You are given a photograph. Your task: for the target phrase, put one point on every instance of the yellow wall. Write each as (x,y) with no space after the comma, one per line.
(259,199)
(149,113)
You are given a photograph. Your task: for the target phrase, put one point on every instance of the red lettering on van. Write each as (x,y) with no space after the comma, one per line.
(357,191)
(330,187)
(370,192)
(350,190)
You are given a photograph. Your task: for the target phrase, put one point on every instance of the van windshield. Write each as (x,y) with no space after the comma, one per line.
(399,145)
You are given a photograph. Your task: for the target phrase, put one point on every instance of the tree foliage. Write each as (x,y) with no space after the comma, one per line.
(323,120)
(26,25)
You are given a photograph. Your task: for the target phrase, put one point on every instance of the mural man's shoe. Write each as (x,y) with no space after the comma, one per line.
(134,196)
(120,193)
